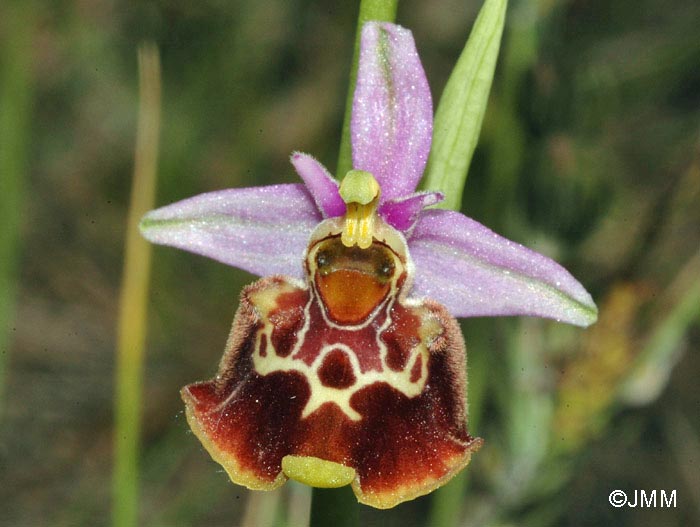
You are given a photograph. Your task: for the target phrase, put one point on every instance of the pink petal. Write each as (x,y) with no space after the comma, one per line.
(263,230)
(392,116)
(320,183)
(402,213)
(475,272)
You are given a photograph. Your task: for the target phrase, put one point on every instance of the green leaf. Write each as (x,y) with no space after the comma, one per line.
(462,106)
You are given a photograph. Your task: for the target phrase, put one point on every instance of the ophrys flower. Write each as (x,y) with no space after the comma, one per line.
(345,364)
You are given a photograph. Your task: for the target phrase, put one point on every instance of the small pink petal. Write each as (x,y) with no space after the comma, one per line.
(402,213)
(323,187)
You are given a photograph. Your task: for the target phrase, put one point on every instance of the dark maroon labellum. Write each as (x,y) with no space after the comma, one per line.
(342,369)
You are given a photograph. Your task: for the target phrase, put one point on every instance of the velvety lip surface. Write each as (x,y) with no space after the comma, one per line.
(400,446)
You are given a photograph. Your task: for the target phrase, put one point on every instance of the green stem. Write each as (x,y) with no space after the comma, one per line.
(446,503)
(384,10)
(335,507)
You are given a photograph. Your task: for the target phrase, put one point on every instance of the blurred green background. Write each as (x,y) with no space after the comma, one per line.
(590,153)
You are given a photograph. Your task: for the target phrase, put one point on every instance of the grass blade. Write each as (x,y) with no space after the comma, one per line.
(134,295)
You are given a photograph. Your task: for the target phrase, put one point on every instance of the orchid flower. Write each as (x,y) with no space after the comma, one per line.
(345,364)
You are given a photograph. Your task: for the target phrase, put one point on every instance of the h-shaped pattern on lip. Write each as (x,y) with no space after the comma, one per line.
(361,354)
(261,423)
